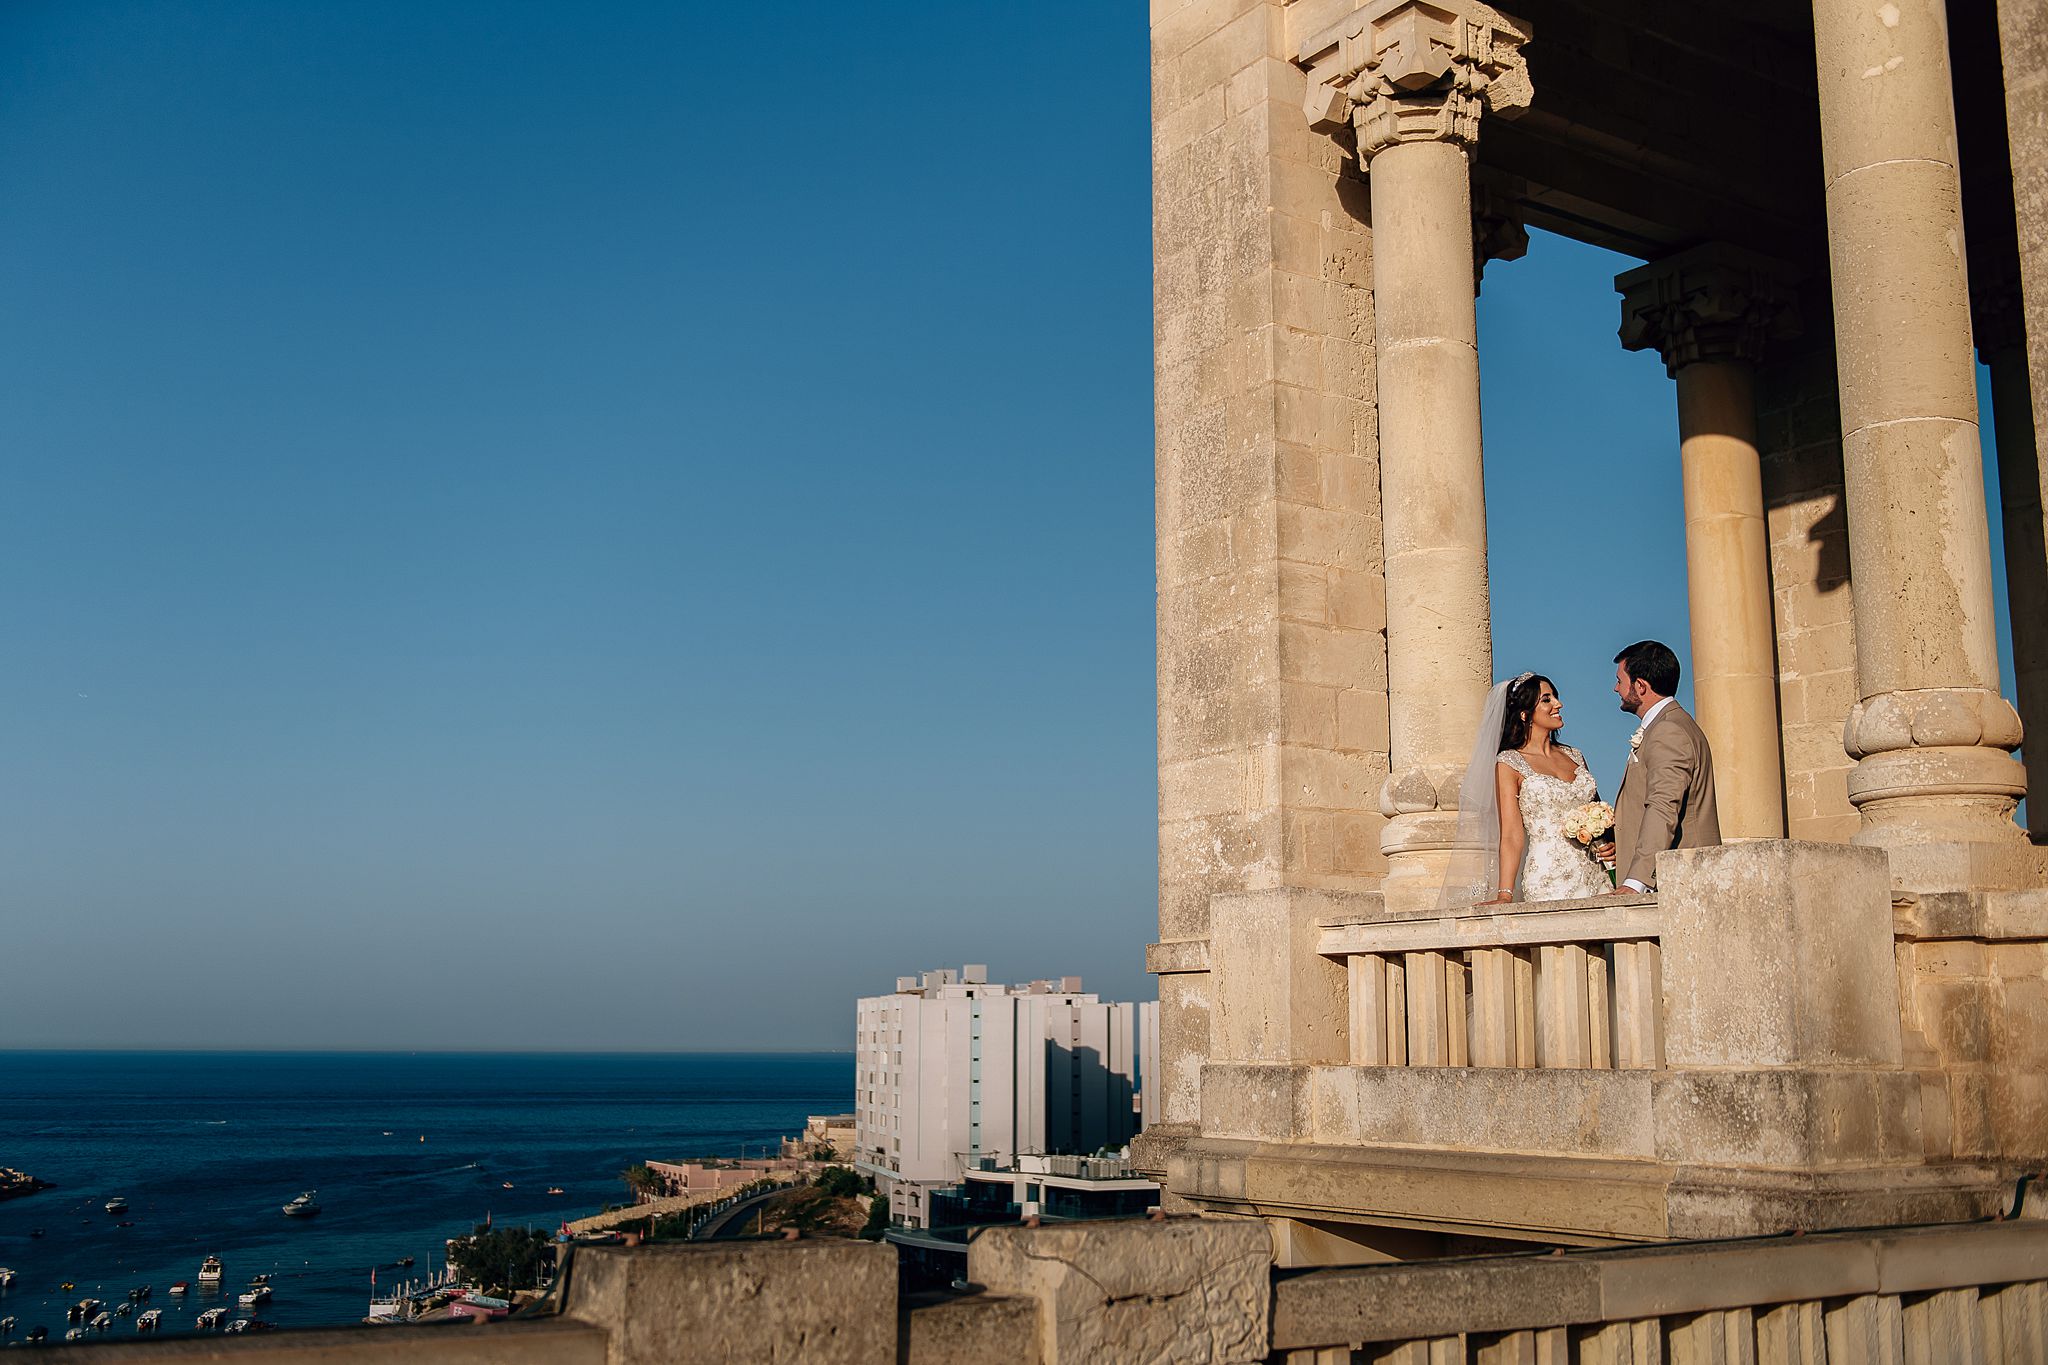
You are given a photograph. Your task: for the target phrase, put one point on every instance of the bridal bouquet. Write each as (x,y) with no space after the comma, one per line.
(1588,824)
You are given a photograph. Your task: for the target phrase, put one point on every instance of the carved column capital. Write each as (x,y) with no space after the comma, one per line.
(1714,302)
(1416,71)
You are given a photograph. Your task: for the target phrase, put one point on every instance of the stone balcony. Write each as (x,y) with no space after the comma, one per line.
(1774,1042)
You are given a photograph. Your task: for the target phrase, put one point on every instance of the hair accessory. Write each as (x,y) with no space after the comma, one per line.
(1521,678)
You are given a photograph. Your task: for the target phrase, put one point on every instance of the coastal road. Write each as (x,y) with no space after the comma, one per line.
(723,1224)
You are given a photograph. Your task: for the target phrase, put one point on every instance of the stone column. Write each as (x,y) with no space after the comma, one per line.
(1413,80)
(2001,345)
(1709,312)
(1935,781)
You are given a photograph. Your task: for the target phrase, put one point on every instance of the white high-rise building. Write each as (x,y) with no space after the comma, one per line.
(950,1070)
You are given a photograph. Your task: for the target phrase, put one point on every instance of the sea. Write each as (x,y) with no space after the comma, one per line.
(405,1151)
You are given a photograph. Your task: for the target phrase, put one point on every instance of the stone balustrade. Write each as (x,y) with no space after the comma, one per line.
(1566,984)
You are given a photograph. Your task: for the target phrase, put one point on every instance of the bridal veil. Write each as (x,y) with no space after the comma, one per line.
(1475,858)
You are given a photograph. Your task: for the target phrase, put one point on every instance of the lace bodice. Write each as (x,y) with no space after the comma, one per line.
(1555,867)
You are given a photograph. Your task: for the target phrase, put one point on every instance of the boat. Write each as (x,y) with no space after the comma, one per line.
(117,1205)
(122,1310)
(239,1325)
(150,1321)
(402,1262)
(210,1319)
(6,1327)
(302,1206)
(254,1298)
(37,1333)
(6,1277)
(137,1295)
(181,1287)
(209,1270)
(83,1310)
(74,1334)
(555,1189)
(67,1285)
(102,1322)
(507,1185)
(263,1278)
(35,1232)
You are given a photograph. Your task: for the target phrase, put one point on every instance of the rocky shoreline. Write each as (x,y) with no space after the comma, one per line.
(14,1184)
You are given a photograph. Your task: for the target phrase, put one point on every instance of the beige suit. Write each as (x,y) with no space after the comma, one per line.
(1666,798)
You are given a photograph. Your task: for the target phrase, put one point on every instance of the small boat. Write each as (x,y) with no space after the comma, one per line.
(137,1295)
(507,1185)
(6,1277)
(210,1319)
(102,1322)
(6,1327)
(402,1262)
(35,1232)
(67,1285)
(209,1270)
(122,1310)
(150,1321)
(302,1206)
(181,1287)
(117,1205)
(239,1325)
(555,1189)
(264,1278)
(125,1223)
(74,1334)
(37,1333)
(255,1298)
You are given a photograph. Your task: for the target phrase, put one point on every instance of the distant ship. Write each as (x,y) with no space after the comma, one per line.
(303,1206)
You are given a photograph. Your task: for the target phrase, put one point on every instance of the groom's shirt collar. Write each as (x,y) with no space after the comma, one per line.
(1651,714)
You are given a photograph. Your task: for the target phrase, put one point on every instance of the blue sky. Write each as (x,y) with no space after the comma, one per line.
(627,525)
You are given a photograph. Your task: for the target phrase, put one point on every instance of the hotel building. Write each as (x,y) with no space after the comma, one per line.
(952,1071)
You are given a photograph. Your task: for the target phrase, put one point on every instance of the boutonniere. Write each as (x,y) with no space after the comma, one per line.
(1635,742)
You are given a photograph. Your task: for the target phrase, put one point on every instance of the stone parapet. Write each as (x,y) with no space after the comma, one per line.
(1956,1293)
(815,1302)
(1138,1291)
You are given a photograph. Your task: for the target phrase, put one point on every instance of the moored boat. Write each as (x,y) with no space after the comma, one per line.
(302,1206)
(554,1189)
(101,1322)
(254,1298)
(210,1319)
(210,1270)
(181,1287)
(150,1321)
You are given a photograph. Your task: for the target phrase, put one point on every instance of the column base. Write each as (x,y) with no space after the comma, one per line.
(1420,847)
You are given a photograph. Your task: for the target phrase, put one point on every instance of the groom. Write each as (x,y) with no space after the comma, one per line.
(1667,790)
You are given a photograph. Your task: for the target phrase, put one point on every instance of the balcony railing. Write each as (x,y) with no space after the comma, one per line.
(1572,984)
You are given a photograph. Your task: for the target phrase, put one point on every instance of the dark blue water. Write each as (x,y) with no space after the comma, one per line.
(207,1147)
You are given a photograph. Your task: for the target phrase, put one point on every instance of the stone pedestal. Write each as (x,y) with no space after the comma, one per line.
(1710,313)
(1412,81)
(1932,736)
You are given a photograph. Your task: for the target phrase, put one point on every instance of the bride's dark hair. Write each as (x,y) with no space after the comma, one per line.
(1521,708)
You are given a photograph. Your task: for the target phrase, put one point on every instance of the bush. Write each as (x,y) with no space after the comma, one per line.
(878,1217)
(842,1183)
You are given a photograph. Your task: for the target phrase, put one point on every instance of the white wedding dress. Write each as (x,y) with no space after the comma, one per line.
(1554,866)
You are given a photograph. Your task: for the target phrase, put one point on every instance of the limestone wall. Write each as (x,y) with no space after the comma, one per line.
(1799,433)
(1271,609)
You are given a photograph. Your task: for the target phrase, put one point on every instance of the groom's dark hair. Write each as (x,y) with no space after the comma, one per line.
(1653,663)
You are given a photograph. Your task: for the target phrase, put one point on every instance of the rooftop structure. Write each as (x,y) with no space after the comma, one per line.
(1840,1018)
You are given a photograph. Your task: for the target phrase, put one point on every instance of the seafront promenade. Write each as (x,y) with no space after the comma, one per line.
(655,1208)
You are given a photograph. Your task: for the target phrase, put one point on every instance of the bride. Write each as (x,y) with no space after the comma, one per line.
(1511,809)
